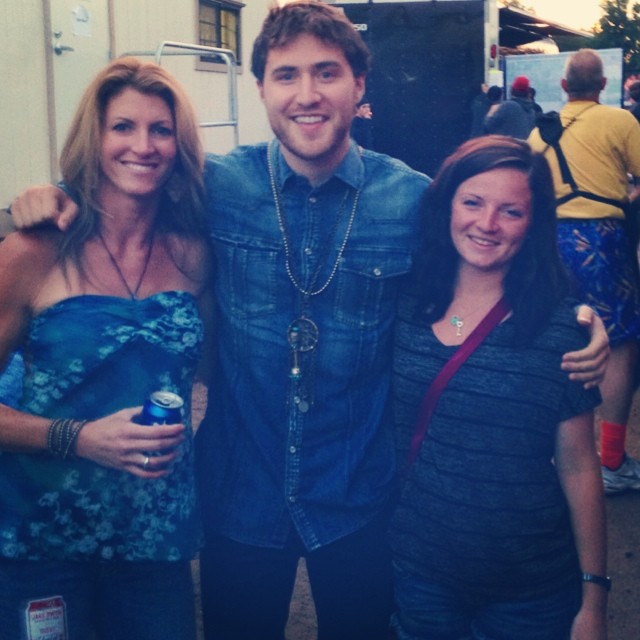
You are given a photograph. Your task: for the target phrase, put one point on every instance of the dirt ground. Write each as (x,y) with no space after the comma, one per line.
(623,517)
(623,513)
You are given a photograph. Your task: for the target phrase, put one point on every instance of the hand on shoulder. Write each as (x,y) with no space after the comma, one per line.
(43,203)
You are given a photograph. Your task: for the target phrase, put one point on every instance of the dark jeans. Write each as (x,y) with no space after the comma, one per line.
(246,590)
(114,600)
(428,610)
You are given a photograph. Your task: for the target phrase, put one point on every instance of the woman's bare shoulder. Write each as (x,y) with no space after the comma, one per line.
(30,252)
(26,261)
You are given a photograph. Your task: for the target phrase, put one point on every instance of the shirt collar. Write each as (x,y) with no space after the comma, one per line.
(350,170)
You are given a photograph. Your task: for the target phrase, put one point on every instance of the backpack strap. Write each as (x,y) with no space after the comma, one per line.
(551,130)
(579,193)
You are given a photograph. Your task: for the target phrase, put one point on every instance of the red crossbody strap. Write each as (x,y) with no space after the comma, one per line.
(488,323)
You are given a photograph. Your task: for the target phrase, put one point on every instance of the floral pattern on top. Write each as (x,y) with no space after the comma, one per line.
(87,357)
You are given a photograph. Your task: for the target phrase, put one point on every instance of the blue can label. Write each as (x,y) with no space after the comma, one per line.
(161,407)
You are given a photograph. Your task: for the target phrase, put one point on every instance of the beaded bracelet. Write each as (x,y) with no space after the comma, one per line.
(62,435)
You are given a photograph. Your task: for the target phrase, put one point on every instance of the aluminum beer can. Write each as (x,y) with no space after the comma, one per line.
(161,407)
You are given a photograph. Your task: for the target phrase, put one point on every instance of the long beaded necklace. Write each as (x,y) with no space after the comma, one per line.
(133,293)
(303,333)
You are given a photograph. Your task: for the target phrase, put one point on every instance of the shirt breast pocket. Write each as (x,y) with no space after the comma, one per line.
(367,286)
(247,283)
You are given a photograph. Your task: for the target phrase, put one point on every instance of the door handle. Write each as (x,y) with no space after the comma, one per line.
(59,49)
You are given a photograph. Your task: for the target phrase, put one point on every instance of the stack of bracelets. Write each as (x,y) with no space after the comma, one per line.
(61,436)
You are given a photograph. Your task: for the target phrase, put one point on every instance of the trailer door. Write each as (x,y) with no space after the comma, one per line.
(428,64)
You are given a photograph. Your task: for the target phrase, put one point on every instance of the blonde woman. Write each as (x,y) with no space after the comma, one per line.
(98,514)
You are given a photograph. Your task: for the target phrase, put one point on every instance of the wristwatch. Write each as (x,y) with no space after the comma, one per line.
(605,583)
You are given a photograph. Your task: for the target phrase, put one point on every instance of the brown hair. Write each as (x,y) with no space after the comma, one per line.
(536,279)
(328,24)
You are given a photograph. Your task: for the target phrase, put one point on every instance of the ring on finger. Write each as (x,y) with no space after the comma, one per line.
(145,462)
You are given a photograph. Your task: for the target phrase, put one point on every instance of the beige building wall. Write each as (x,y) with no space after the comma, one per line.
(24,138)
(137,27)
(177,21)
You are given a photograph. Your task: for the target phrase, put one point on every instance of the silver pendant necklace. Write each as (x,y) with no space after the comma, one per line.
(133,293)
(458,322)
(303,333)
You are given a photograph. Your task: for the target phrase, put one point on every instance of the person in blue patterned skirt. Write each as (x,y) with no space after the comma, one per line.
(98,514)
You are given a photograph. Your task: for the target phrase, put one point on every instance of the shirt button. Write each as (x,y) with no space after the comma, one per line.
(377,271)
(308,251)
(313,199)
(292,449)
(292,499)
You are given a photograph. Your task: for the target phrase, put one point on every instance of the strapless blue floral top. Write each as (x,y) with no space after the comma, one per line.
(87,357)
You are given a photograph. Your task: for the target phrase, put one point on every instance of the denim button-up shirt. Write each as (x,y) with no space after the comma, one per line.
(266,463)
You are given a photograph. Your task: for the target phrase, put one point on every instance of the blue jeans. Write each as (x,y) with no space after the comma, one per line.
(427,611)
(114,601)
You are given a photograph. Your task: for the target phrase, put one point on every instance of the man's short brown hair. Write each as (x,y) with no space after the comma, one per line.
(283,24)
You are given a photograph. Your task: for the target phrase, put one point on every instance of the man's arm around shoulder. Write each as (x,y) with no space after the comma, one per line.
(43,204)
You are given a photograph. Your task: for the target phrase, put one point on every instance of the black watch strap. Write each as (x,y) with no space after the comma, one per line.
(605,583)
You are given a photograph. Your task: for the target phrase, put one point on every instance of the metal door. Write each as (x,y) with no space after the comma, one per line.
(428,63)
(80,42)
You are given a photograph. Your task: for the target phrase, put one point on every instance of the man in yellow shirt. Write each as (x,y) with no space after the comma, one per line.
(601,145)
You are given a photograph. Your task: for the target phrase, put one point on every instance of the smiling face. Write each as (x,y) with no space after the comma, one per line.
(310,94)
(490,216)
(138,146)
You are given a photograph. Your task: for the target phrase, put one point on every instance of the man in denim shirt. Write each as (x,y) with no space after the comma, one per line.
(312,236)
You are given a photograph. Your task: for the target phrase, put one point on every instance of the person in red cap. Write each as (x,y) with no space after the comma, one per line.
(514,117)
